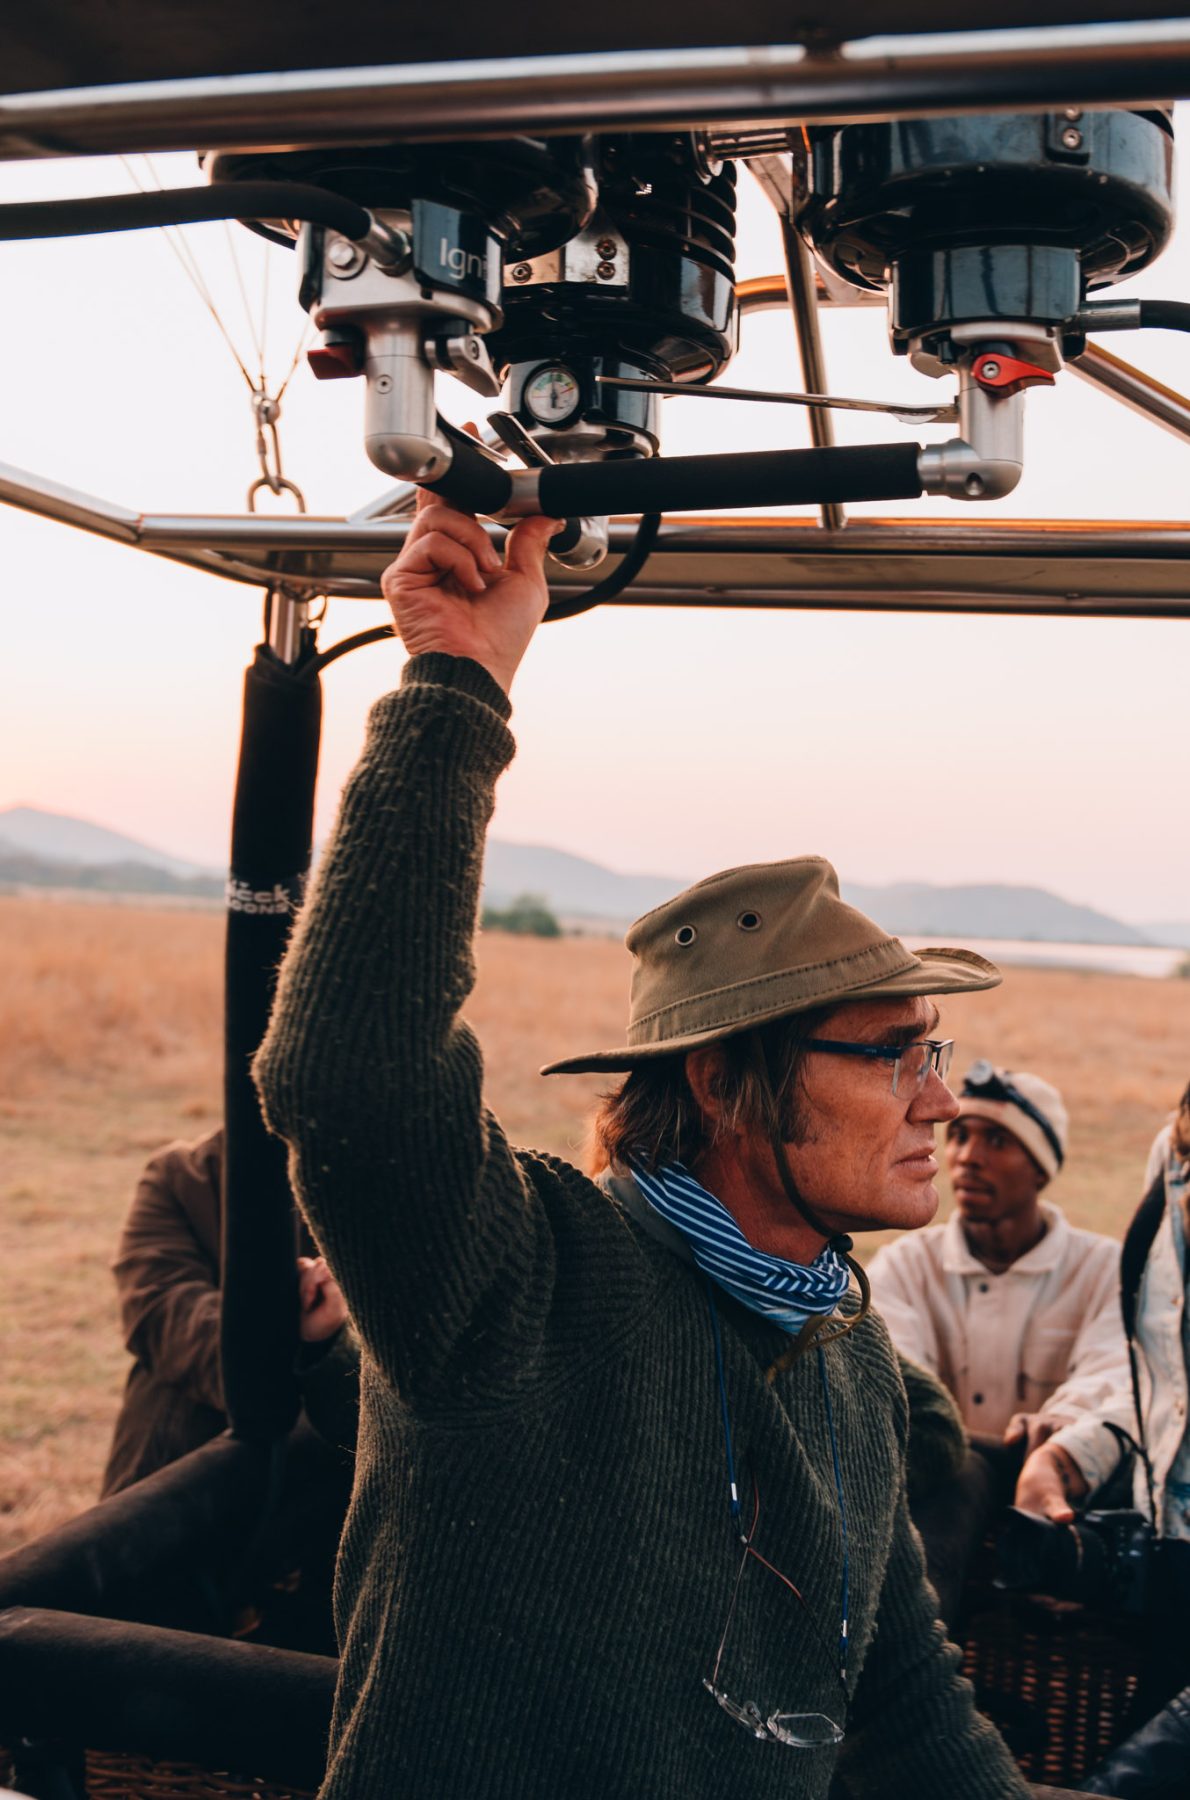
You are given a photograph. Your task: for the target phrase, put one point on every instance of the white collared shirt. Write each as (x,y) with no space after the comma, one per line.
(1045,1336)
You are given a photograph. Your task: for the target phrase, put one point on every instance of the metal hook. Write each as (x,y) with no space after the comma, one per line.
(266,411)
(276,484)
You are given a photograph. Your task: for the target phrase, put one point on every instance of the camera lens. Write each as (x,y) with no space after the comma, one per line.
(1036,1556)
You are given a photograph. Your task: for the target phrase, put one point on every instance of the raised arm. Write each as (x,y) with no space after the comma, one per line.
(367,1069)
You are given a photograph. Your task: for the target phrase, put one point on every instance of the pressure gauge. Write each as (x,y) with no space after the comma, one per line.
(551,395)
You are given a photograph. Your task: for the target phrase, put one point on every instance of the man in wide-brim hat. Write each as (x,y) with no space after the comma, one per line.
(629,1517)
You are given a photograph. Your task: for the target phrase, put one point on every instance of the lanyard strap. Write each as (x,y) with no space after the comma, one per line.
(733,1491)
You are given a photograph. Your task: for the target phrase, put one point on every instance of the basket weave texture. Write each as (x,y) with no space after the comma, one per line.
(1058,1684)
(120,1777)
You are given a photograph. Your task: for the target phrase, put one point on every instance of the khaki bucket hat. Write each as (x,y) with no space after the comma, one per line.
(755,944)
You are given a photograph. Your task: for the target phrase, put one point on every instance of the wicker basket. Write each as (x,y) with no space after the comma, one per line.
(118,1777)
(1055,1681)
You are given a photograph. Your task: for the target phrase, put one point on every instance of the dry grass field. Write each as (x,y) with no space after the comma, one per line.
(109,1044)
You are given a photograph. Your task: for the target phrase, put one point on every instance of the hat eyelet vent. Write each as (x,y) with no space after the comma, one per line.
(684,936)
(749,920)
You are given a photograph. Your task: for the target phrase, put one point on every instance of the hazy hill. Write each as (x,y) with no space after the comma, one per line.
(989,911)
(43,849)
(78,841)
(571,884)
(576,888)
(22,869)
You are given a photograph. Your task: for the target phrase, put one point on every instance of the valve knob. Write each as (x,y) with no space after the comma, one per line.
(1007,375)
(340,354)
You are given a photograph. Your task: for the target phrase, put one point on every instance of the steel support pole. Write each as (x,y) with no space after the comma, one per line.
(1142,393)
(799,280)
(776,176)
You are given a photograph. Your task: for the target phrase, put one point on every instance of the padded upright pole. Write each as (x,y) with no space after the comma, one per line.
(272,831)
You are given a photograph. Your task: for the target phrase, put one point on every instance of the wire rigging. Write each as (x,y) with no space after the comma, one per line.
(264,315)
(303,341)
(266,407)
(239,276)
(189,264)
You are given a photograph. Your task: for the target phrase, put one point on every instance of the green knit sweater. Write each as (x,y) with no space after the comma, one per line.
(538,1559)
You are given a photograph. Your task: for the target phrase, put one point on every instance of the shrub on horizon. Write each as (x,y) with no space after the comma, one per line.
(526,916)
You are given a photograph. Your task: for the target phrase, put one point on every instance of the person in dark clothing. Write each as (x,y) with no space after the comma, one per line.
(629,1514)
(167,1278)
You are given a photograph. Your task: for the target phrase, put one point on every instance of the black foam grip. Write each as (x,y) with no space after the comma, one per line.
(756,478)
(180,1696)
(161,1548)
(272,830)
(473,483)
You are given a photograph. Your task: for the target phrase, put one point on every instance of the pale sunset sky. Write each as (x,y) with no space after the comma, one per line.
(1048,752)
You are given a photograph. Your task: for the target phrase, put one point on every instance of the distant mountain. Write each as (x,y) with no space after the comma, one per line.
(573,886)
(63,839)
(989,911)
(22,869)
(44,849)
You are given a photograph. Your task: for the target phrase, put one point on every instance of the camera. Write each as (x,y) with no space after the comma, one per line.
(1106,1559)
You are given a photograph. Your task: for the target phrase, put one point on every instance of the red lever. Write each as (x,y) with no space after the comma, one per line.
(1007,375)
(336,358)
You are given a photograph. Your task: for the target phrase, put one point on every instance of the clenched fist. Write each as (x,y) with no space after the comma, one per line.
(322,1308)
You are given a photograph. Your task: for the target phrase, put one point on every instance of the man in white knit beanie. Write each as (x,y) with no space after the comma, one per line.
(1012,1307)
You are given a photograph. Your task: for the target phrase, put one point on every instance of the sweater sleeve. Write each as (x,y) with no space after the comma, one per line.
(937,1443)
(367,1069)
(913,1731)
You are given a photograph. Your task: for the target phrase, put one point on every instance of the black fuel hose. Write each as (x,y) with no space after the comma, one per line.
(568,606)
(1124,315)
(185,206)
(680,483)
(1164,315)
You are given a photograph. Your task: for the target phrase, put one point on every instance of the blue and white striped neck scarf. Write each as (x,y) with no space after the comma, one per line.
(786,1293)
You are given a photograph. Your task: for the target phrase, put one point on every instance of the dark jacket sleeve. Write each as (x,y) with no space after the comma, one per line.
(167,1272)
(937,1441)
(368,1071)
(328,1374)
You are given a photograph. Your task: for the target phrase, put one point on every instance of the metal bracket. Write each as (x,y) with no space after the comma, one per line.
(985,461)
(464,355)
(598,256)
